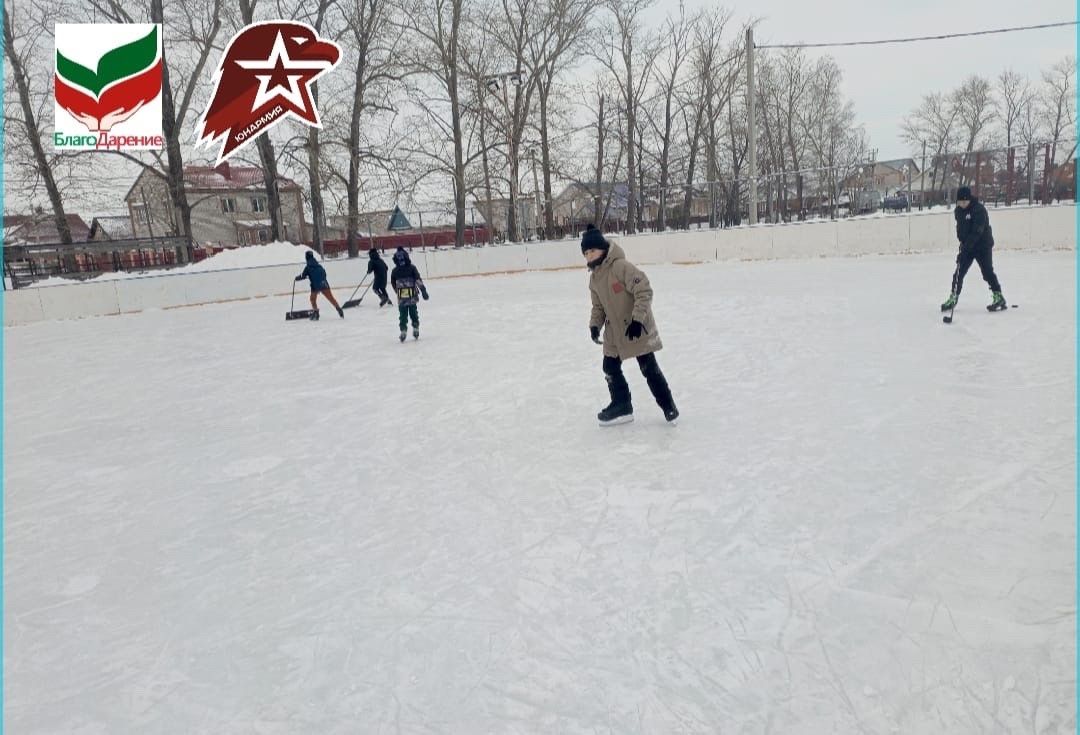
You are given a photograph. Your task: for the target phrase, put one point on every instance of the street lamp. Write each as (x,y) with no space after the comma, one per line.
(494,84)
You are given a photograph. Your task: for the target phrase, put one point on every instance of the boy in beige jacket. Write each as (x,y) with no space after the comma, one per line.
(622,304)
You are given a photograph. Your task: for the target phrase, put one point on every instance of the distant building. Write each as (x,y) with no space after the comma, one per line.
(228,206)
(111,227)
(40,227)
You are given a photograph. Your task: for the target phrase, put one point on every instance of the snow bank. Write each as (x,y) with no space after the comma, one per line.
(251,256)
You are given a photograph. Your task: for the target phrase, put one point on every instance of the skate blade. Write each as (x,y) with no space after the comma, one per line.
(619,420)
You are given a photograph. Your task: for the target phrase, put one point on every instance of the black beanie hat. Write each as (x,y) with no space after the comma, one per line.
(593,239)
(310,255)
(963,193)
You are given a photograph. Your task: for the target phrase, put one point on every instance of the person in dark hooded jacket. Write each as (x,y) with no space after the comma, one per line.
(319,285)
(976,245)
(406,282)
(377,266)
(622,305)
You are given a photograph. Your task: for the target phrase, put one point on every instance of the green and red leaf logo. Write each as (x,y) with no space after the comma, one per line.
(108,84)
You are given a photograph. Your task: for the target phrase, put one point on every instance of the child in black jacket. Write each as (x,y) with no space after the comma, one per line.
(377,266)
(406,282)
(976,246)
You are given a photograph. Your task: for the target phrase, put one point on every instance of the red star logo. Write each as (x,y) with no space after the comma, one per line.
(265,77)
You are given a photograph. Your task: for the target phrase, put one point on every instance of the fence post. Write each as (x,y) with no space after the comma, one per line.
(1031,174)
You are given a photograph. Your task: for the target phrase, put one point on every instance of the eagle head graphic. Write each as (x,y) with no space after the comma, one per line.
(264,77)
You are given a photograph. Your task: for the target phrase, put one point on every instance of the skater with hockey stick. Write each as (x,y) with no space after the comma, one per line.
(406,282)
(319,285)
(622,305)
(976,245)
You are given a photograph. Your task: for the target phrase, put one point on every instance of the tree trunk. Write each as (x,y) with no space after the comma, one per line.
(489,215)
(33,134)
(266,154)
(545,159)
(455,114)
(171,130)
(599,163)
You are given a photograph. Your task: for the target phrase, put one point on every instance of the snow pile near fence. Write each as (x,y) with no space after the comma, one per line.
(251,256)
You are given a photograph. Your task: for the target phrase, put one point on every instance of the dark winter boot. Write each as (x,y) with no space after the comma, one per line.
(620,410)
(950,303)
(659,387)
(616,413)
(998,303)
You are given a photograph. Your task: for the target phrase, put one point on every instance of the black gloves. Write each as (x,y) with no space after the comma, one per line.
(299,278)
(635,329)
(423,292)
(594,332)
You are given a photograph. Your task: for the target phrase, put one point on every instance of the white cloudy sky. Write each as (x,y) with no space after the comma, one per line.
(886,82)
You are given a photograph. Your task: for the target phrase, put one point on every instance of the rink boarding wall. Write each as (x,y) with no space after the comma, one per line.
(1015,228)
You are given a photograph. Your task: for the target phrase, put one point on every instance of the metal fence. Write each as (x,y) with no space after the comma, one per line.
(27,263)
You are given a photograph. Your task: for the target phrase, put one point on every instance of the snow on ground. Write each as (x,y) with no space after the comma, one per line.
(220,522)
(252,256)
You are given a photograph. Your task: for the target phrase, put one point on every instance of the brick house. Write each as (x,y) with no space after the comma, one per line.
(40,228)
(228,206)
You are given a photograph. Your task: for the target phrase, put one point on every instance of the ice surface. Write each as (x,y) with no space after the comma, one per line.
(221,522)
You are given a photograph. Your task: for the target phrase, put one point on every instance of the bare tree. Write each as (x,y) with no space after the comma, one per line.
(836,143)
(374,48)
(1015,96)
(1056,99)
(628,50)
(513,24)
(677,31)
(934,122)
(18,46)
(975,104)
(265,147)
(551,46)
(436,27)
(713,74)
(193,27)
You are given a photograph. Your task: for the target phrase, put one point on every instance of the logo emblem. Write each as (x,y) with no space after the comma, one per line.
(264,78)
(108,86)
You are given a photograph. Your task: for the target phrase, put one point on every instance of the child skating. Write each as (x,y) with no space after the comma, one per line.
(976,245)
(377,266)
(319,285)
(622,305)
(407,282)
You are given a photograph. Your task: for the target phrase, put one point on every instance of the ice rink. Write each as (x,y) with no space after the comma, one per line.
(219,522)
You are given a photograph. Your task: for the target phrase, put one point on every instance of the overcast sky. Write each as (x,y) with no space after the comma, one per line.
(886,82)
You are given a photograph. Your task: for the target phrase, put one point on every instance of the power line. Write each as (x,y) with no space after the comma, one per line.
(917,38)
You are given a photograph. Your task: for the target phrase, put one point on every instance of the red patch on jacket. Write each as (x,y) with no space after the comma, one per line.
(617,287)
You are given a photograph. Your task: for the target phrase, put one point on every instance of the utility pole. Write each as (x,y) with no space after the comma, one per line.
(751,108)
